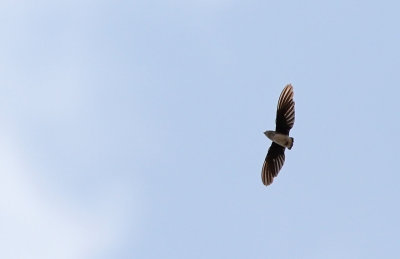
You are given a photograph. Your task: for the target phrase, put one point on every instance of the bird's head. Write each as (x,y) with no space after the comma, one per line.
(270,134)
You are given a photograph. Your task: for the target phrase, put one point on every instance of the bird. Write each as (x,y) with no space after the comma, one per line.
(280,137)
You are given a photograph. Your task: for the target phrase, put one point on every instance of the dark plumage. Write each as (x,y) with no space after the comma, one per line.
(280,137)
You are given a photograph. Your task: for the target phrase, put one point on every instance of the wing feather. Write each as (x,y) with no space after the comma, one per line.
(273,163)
(285,113)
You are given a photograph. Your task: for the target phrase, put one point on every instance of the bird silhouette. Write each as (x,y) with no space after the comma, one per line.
(280,137)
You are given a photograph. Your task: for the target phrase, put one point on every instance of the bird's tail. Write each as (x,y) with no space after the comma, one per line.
(290,144)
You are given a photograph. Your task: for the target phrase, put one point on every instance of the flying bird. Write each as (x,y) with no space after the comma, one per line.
(280,137)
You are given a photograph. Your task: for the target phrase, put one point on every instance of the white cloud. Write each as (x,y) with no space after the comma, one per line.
(48,88)
(38,224)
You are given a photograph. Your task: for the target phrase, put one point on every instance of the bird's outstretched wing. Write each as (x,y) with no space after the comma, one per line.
(273,163)
(285,112)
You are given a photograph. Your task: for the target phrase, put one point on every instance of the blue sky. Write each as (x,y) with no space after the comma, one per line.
(134,129)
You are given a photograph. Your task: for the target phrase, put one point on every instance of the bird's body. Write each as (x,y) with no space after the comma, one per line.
(280,137)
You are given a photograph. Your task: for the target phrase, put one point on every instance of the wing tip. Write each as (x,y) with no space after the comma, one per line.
(286,95)
(268,183)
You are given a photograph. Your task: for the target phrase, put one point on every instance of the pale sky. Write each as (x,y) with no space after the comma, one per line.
(134,129)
